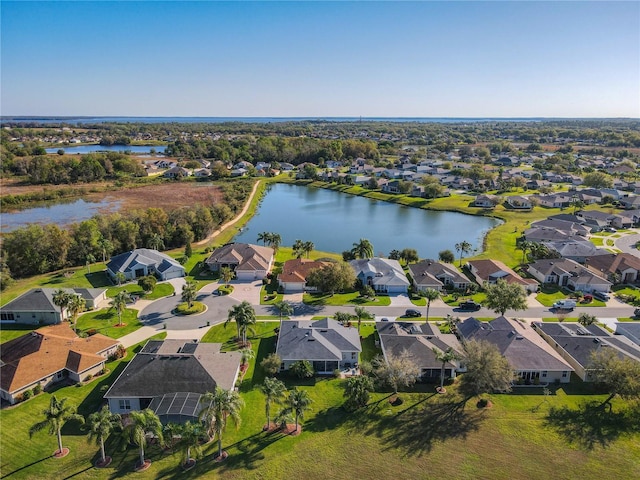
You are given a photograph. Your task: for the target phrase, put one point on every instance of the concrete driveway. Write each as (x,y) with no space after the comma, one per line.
(247,291)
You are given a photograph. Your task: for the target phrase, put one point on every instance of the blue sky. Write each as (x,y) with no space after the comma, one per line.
(419,59)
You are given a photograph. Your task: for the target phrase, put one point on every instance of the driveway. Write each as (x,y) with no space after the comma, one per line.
(247,291)
(400,300)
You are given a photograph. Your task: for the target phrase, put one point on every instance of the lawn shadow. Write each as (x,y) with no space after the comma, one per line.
(99,279)
(592,424)
(25,466)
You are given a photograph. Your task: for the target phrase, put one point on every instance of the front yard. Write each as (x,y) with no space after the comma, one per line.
(549,294)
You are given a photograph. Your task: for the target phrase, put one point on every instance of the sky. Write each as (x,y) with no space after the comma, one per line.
(320,59)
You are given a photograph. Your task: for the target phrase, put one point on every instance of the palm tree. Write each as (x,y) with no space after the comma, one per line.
(284,308)
(275,241)
(430,294)
(586,319)
(120,277)
(76,305)
(363,249)
(119,302)
(296,403)
(244,316)
(155,242)
(264,237)
(56,415)
(226,274)
(361,313)
(447,356)
(189,292)
(247,354)
(89,260)
(101,424)
(524,245)
(219,406)
(273,390)
(61,299)
(342,317)
(452,323)
(463,247)
(190,437)
(307,247)
(298,248)
(106,247)
(141,423)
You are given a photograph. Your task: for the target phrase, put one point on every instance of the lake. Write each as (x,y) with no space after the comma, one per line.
(84,149)
(334,221)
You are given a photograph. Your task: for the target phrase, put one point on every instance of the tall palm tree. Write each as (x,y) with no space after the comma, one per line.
(62,299)
(447,356)
(247,354)
(140,423)
(119,302)
(244,316)
(89,260)
(363,249)
(189,292)
(430,294)
(307,247)
(106,247)
(155,242)
(190,437)
(298,248)
(524,245)
(101,425)
(362,314)
(120,278)
(56,415)
(226,274)
(275,241)
(273,390)
(296,403)
(263,237)
(463,248)
(219,406)
(284,308)
(76,305)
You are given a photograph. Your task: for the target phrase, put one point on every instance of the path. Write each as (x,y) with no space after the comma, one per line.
(224,226)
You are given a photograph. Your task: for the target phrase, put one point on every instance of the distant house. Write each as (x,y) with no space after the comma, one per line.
(490,271)
(50,355)
(249,262)
(531,358)
(615,267)
(576,250)
(170,376)
(567,273)
(326,344)
(202,173)
(419,340)
(382,274)
(485,201)
(436,275)
(176,172)
(519,203)
(36,306)
(577,344)
(142,262)
(294,274)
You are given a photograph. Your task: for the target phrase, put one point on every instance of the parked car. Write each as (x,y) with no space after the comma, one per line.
(565,304)
(384,320)
(610,229)
(469,305)
(601,296)
(412,313)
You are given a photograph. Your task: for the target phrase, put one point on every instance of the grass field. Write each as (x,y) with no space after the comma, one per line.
(159,291)
(105,321)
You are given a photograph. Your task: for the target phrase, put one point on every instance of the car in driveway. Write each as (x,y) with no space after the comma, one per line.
(601,296)
(469,305)
(412,313)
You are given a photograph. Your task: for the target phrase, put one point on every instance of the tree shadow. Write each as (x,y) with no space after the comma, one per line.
(98,279)
(25,466)
(592,424)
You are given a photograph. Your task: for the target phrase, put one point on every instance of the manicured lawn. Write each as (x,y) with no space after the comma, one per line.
(549,294)
(195,308)
(159,291)
(555,319)
(452,301)
(9,332)
(338,299)
(104,321)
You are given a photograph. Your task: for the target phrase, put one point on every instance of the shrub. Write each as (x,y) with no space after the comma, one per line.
(301,369)
(37,389)
(88,377)
(27,395)
(483,402)
(91,332)
(271,364)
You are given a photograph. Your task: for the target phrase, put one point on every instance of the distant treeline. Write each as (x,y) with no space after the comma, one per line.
(40,249)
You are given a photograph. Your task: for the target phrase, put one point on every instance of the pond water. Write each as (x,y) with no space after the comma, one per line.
(61,213)
(84,149)
(334,221)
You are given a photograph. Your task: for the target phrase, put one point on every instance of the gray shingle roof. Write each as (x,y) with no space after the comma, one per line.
(41,299)
(143,256)
(320,340)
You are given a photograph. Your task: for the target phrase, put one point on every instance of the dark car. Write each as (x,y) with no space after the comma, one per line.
(470,305)
(412,313)
(601,296)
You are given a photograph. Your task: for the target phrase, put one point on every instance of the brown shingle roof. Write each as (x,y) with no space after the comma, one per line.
(296,270)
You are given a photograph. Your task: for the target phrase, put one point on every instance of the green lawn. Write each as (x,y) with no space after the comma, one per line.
(104,321)
(454,301)
(339,299)
(549,294)
(9,332)
(159,291)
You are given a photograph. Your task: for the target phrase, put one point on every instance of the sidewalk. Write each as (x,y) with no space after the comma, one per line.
(138,336)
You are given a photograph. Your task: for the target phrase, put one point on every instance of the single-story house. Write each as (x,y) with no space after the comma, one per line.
(170,377)
(485,201)
(567,273)
(36,306)
(576,343)
(382,274)
(49,355)
(630,330)
(142,262)
(518,202)
(419,340)
(490,271)
(532,359)
(176,172)
(326,344)
(436,275)
(615,267)
(293,278)
(249,262)
(577,250)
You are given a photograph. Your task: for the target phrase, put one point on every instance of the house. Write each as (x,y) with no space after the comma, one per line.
(629,330)
(419,340)
(436,275)
(485,201)
(170,377)
(490,271)
(567,273)
(165,164)
(176,172)
(392,186)
(326,344)
(615,267)
(576,250)
(557,200)
(631,202)
(202,173)
(518,202)
(249,262)
(142,262)
(294,274)
(239,172)
(567,227)
(50,355)
(577,344)
(383,274)
(36,306)
(532,359)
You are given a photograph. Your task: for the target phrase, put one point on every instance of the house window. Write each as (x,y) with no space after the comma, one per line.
(353,355)
(6,316)
(564,374)
(124,404)
(282,366)
(59,375)
(544,373)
